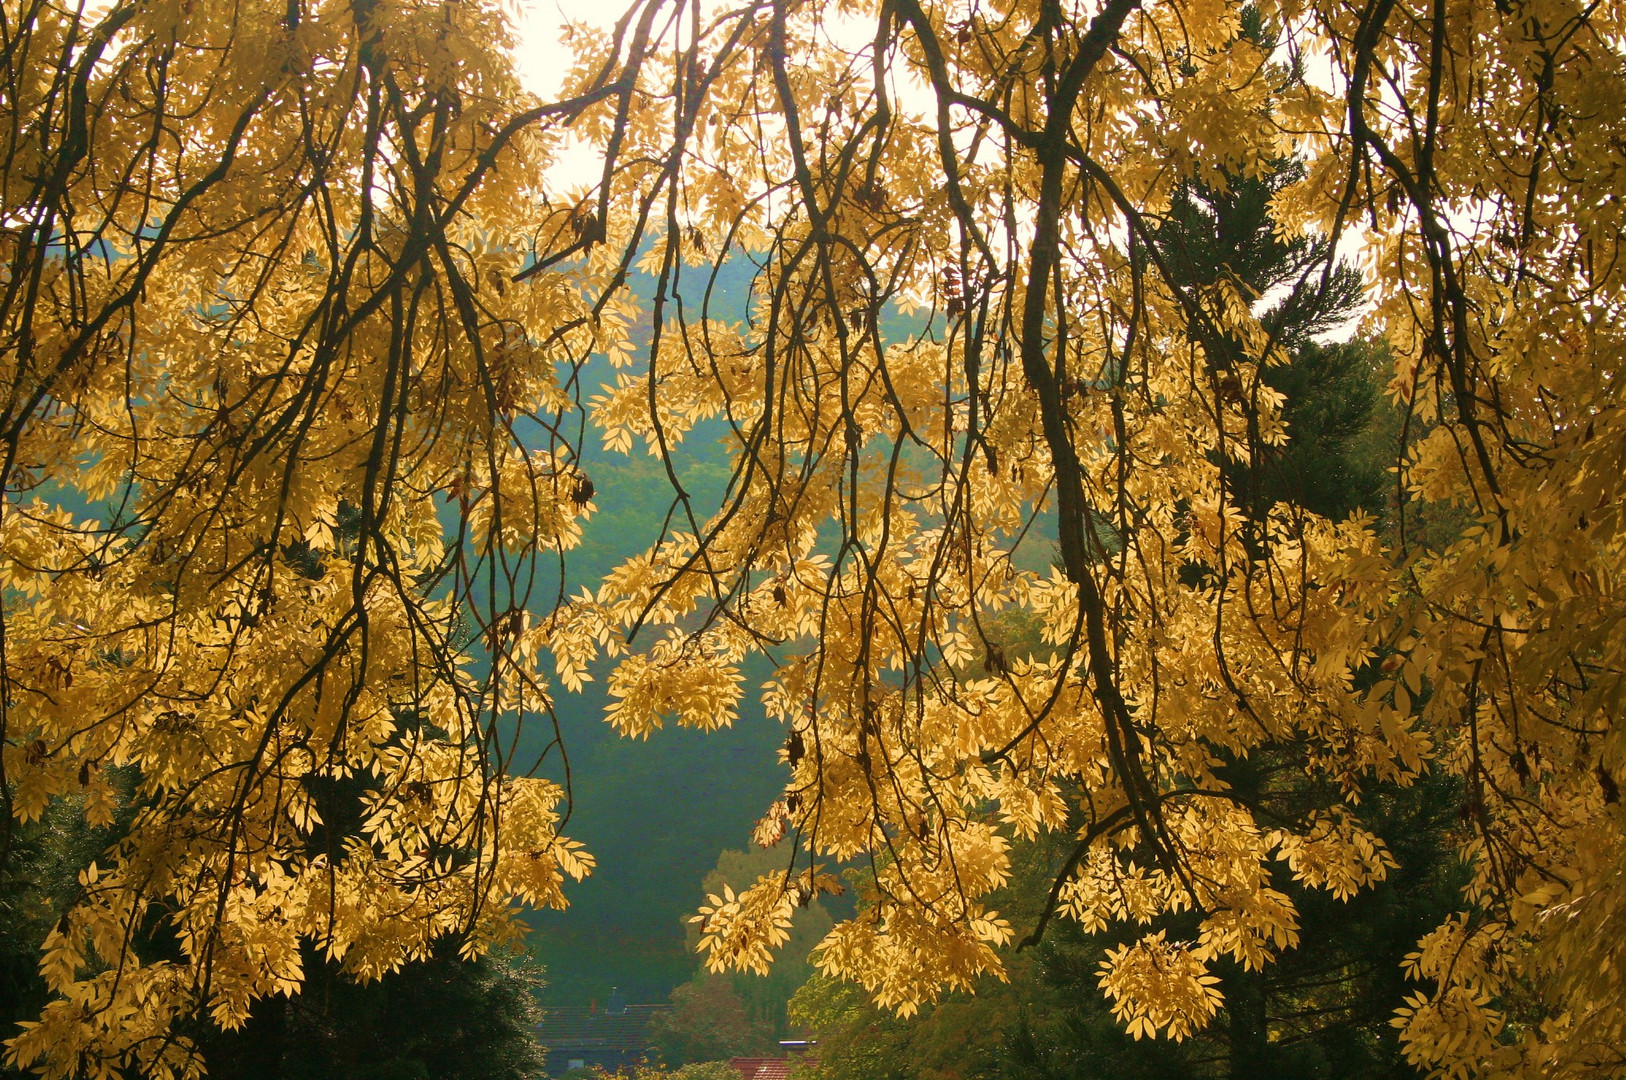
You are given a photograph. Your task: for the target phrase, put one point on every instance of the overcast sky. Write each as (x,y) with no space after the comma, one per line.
(542,59)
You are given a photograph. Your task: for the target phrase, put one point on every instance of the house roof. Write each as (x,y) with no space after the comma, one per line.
(583,1027)
(766,1068)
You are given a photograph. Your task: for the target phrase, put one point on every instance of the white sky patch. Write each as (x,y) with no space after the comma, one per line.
(542,57)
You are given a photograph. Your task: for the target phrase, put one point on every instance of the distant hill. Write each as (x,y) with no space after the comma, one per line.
(655,814)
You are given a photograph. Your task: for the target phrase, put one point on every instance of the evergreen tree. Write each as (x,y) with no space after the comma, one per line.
(444,1018)
(1215,234)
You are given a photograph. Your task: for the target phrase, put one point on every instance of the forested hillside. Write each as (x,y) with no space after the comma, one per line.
(627,928)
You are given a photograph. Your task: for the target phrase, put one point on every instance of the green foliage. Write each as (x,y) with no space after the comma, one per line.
(855,1039)
(959,1038)
(39,880)
(740,1013)
(440,1019)
(708,1020)
(698,1070)
(706,1070)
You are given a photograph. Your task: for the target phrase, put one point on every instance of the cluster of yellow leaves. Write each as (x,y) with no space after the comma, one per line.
(1159,987)
(1493,267)
(1001,168)
(914,735)
(276,349)
(280,463)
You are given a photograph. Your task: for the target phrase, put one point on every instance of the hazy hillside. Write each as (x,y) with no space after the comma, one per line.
(655,814)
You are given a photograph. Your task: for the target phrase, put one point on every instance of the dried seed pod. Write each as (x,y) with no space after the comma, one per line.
(993,661)
(1611,791)
(581,493)
(587,226)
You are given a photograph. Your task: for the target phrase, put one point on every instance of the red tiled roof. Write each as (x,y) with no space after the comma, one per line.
(766,1068)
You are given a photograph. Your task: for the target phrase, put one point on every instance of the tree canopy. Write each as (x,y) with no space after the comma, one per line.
(293,325)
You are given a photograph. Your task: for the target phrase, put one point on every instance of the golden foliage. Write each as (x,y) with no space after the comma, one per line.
(299,278)
(281,457)
(1001,173)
